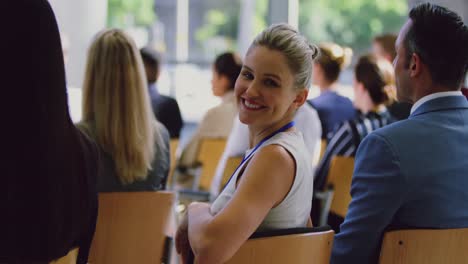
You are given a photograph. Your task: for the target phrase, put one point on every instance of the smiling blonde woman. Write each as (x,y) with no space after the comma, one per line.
(272,187)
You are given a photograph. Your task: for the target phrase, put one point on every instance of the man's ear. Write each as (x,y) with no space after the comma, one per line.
(415,66)
(301,97)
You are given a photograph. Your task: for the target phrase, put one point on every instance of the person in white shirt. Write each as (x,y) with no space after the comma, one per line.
(217,122)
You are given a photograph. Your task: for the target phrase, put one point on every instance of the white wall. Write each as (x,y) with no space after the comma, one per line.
(80,20)
(246,35)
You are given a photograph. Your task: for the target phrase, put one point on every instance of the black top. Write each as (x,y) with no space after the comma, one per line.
(399,110)
(48,197)
(167,111)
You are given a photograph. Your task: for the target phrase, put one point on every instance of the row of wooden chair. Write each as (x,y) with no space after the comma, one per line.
(208,155)
(134,228)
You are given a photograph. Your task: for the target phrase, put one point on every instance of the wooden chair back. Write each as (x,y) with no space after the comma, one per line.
(70,258)
(298,248)
(340,176)
(231,166)
(209,153)
(428,246)
(323,147)
(131,227)
(173,145)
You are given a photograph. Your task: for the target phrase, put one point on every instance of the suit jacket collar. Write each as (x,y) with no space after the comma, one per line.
(442,103)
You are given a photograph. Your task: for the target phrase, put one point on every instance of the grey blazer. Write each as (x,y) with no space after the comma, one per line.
(410,174)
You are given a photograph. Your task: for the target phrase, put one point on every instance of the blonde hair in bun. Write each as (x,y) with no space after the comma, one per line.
(333,59)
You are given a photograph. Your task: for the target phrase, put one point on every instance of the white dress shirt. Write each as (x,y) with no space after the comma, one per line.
(432,97)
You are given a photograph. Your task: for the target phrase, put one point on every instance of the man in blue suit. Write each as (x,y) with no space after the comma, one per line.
(414,173)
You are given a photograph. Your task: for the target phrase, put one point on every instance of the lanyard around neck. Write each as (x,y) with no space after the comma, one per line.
(282,129)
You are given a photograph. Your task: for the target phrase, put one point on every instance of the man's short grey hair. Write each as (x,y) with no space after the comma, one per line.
(294,46)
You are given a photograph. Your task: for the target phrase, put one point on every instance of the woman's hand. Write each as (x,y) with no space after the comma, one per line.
(182,241)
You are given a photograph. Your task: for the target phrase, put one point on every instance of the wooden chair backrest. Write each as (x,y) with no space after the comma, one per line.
(340,176)
(323,147)
(173,145)
(428,246)
(70,258)
(231,166)
(299,249)
(131,227)
(209,153)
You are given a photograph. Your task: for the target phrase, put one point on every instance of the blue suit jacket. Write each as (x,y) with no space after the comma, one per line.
(412,173)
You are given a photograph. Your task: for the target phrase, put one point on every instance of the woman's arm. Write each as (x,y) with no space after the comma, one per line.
(265,183)
(182,243)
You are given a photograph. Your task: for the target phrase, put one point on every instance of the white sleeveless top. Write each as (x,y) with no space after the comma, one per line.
(294,210)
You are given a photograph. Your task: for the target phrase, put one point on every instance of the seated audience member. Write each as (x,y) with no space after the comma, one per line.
(217,122)
(49,168)
(117,115)
(372,76)
(384,46)
(412,174)
(306,121)
(261,194)
(465,92)
(165,108)
(332,108)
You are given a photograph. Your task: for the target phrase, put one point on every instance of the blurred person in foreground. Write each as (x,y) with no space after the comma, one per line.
(165,108)
(261,194)
(49,168)
(412,174)
(117,115)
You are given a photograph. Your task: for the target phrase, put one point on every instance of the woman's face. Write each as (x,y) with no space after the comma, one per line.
(265,89)
(219,83)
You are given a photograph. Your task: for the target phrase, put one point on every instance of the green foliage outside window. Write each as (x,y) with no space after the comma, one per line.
(352,23)
(123,13)
(223,21)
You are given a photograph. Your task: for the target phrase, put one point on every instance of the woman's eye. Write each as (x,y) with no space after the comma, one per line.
(247,75)
(270,82)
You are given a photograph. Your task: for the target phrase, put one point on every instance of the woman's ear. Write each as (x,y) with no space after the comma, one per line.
(301,97)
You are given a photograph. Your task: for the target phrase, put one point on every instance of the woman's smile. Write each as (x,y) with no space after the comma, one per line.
(251,105)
